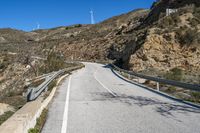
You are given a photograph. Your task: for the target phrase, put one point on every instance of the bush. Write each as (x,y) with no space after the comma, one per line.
(77,26)
(169,21)
(194,22)
(74,26)
(33,130)
(171,89)
(54,62)
(67,28)
(175,74)
(187,36)
(196,95)
(2,66)
(166,22)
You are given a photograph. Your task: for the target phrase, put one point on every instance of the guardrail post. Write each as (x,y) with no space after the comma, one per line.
(158,86)
(129,76)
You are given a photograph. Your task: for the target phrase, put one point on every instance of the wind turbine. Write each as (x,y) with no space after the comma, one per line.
(92,17)
(38,25)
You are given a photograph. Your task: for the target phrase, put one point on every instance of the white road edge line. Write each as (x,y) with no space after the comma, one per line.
(104,85)
(65,116)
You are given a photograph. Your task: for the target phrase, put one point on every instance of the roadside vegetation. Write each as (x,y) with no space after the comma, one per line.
(55,61)
(176,74)
(39,123)
(73,26)
(13,74)
(5,116)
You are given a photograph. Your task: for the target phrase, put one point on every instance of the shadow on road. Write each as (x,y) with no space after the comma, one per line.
(151,90)
(163,108)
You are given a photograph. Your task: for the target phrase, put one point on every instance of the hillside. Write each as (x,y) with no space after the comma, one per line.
(172,42)
(145,41)
(93,42)
(103,41)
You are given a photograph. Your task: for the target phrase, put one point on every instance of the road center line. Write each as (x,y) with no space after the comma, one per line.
(104,85)
(65,116)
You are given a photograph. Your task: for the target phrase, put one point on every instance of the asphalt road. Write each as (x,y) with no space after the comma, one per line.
(94,100)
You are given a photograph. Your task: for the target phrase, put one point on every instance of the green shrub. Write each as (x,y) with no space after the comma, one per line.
(33,130)
(55,61)
(171,89)
(169,21)
(67,28)
(77,25)
(74,26)
(166,22)
(2,66)
(187,37)
(175,74)
(194,21)
(196,95)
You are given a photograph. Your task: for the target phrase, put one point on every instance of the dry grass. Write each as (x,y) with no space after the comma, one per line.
(5,116)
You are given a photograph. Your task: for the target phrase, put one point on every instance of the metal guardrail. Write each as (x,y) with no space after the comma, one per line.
(40,77)
(194,87)
(34,93)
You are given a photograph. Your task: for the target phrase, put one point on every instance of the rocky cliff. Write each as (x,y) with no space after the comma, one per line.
(171,41)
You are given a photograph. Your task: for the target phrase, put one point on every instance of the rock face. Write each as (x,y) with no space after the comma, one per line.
(159,54)
(171,41)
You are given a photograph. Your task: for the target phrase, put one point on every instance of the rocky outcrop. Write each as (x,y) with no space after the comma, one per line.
(158,9)
(171,41)
(161,55)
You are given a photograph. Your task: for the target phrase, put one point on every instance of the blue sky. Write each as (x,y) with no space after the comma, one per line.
(25,14)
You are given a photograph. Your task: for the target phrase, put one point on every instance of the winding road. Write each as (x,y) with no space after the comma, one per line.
(95,100)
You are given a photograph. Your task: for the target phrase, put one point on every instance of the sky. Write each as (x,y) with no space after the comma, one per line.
(27,14)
